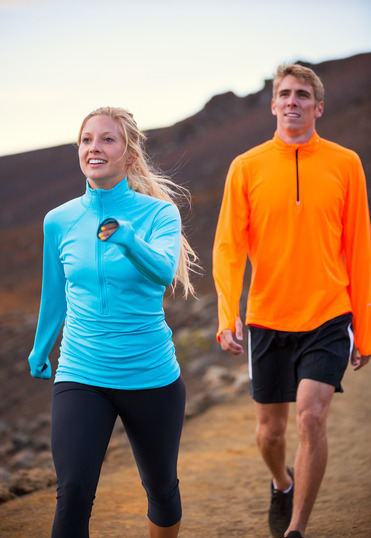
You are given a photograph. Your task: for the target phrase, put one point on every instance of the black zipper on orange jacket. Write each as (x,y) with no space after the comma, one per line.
(297,177)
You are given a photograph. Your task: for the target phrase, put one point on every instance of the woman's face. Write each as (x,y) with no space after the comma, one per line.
(102,153)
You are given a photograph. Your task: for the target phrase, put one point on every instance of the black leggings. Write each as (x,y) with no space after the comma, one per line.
(83,418)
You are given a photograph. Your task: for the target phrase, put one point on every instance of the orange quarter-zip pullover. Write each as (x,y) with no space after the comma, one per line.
(300,212)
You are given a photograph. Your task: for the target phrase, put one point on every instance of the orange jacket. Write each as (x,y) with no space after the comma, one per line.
(300,213)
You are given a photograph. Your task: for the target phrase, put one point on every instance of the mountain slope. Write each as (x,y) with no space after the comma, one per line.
(196,152)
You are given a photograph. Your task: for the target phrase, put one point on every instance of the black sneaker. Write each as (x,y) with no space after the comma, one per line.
(280,510)
(294,534)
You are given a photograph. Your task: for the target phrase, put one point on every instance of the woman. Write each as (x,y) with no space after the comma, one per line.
(108,257)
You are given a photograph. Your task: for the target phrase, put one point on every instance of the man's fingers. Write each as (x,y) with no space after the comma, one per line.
(228,343)
(239,329)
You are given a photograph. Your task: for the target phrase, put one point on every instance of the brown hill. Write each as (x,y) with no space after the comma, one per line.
(196,152)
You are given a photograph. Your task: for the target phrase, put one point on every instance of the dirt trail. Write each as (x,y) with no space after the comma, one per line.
(224,485)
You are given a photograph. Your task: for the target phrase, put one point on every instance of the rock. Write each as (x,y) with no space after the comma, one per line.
(20,440)
(43,420)
(199,366)
(4,493)
(217,376)
(4,475)
(6,448)
(4,427)
(26,481)
(198,404)
(202,401)
(242,379)
(4,485)
(44,459)
(41,443)
(24,459)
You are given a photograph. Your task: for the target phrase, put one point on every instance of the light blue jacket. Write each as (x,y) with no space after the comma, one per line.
(108,293)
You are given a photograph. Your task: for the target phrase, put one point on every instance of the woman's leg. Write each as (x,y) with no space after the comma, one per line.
(82,423)
(153,420)
(163,532)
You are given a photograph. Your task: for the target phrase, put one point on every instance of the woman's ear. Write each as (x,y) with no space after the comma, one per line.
(132,157)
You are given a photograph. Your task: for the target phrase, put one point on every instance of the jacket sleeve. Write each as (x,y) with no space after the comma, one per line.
(231,247)
(357,250)
(52,306)
(158,258)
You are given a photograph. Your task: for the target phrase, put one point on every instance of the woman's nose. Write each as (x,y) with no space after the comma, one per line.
(94,146)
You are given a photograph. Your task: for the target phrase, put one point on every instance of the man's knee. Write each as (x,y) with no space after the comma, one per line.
(311,422)
(271,433)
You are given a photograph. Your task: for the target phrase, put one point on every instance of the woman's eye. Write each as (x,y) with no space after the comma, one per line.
(108,139)
(86,140)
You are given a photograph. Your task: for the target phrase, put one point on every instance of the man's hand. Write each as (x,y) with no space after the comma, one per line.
(358,360)
(227,342)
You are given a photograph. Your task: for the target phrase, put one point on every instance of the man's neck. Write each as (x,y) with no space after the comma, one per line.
(293,137)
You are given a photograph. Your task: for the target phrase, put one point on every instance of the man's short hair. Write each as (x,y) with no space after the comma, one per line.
(304,74)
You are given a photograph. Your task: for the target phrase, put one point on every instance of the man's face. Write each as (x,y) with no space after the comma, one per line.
(296,108)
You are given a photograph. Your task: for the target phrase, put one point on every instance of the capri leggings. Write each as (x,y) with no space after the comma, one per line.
(83,418)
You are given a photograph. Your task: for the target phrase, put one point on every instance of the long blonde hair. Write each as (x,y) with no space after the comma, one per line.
(143,178)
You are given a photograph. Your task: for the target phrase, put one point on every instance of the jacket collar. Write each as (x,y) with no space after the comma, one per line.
(290,149)
(111,198)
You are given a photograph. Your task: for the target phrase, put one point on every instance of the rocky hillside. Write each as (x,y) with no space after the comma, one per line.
(196,152)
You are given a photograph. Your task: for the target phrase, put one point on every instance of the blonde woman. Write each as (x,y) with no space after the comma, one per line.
(108,258)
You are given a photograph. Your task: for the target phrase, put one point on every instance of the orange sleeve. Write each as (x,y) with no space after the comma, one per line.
(357,249)
(231,246)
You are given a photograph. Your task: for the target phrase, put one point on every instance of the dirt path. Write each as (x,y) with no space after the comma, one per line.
(225,486)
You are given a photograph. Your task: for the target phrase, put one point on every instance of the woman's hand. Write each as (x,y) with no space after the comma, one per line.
(107,230)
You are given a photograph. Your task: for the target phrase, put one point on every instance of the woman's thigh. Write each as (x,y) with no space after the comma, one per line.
(82,424)
(153,420)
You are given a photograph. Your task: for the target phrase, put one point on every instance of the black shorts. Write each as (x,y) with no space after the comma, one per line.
(279,360)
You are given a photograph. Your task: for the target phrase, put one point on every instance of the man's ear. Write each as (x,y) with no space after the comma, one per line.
(319,109)
(273,107)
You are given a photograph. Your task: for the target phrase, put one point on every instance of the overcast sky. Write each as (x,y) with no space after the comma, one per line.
(161,59)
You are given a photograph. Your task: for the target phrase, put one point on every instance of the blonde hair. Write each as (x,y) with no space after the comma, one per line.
(304,74)
(143,178)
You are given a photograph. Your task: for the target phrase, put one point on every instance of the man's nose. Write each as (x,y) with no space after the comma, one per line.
(292,100)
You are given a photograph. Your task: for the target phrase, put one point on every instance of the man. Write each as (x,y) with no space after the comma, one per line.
(297,206)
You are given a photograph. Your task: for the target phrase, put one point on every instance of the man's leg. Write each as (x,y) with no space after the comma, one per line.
(313,403)
(270,437)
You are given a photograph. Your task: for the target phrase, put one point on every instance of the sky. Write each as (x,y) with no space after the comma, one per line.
(160,59)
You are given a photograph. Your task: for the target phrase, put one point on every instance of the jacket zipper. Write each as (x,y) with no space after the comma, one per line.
(297,176)
(100,266)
